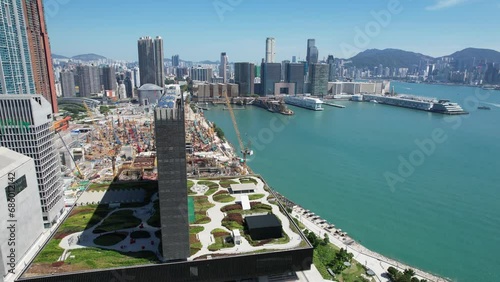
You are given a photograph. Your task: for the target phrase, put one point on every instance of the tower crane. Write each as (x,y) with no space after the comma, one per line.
(244,150)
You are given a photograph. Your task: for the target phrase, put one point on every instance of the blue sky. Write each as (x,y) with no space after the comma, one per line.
(202,29)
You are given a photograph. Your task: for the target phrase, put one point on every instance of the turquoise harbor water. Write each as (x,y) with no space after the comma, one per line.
(444,218)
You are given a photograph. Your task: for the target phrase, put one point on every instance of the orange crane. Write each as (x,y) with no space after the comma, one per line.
(244,150)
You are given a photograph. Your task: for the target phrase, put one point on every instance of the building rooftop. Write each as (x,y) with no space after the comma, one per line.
(262,221)
(150,87)
(9,160)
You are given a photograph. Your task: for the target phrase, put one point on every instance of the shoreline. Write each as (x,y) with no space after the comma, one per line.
(372,260)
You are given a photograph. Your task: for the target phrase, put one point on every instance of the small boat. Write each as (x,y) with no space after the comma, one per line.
(483,108)
(374,101)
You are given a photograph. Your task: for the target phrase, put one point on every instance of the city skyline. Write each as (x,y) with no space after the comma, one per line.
(335,32)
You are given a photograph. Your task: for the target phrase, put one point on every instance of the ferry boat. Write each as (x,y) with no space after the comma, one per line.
(305,102)
(418,103)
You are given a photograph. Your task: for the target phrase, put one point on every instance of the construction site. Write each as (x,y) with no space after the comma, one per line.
(119,145)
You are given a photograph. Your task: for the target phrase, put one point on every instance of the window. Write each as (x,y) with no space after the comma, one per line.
(7,13)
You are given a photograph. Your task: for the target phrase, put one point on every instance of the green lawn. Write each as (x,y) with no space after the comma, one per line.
(190,184)
(110,239)
(254,197)
(81,218)
(50,253)
(141,234)
(196,229)
(93,258)
(98,187)
(201,205)
(220,236)
(248,180)
(154,220)
(226,183)
(119,220)
(224,198)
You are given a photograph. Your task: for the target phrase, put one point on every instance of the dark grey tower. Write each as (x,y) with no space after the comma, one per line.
(244,76)
(89,81)
(147,68)
(172,178)
(294,73)
(318,76)
(108,78)
(331,66)
(270,74)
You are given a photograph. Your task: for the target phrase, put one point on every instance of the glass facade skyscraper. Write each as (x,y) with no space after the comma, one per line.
(16,73)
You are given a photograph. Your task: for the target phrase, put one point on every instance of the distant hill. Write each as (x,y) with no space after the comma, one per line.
(388,58)
(88,57)
(469,55)
(55,56)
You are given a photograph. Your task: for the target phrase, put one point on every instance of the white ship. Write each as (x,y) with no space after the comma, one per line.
(418,103)
(305,102)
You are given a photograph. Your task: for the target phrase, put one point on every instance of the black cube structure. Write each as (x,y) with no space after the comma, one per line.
(262,227)
(172,179)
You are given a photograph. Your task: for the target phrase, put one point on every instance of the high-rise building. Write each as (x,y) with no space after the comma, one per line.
(175,60)
(283,64)
(108,78)
(89,82)
(128,87)
(27,129)
(312,52)
(68,84)
(271,74)
(137,79)
(294,59)
(319,79)
(18,178)
(16,72)
(172,178)
(41,57)
(201,74)
(332,68)
(223,67)
(159,62)
(244,76)
(270,51)
(294,73)
(147,67)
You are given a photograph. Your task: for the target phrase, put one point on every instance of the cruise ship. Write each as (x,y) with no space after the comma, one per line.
(305,102)
(418,103)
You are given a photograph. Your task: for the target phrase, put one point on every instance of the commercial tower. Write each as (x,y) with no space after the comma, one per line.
(159,58)
(172,178)
(318,76)
(175,60)
(331,66)
(270,74)
(223,67)
(151,61)
(16,73)
(108,78)
(27,129)
(41,57)
(244,76)
(294,73)
(312,52)
(270,51)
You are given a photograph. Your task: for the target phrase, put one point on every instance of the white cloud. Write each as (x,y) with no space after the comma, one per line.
(443,4)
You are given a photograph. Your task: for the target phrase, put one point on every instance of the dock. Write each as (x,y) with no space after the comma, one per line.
(334,105)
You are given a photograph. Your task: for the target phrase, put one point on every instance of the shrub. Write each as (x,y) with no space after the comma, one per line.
(231,207)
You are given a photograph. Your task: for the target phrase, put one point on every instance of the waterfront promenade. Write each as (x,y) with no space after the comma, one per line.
(374,261)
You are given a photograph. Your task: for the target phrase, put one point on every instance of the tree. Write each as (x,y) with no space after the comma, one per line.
(104,110)
(409,272)
(326,240)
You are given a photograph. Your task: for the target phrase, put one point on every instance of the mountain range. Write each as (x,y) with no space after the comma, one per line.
(374,57)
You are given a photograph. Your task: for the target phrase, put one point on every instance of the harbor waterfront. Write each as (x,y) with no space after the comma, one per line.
(376,172)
